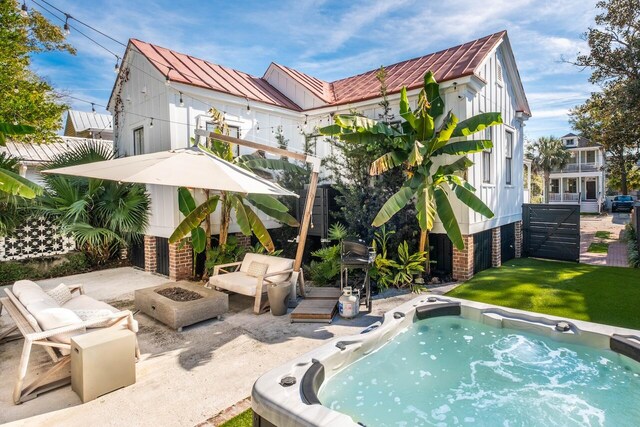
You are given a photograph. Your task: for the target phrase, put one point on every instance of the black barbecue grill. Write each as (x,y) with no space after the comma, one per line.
(357,255)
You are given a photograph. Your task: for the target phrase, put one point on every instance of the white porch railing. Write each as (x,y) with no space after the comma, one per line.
(555,197)
(564,197)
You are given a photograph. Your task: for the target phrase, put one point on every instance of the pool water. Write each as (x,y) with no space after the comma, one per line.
(449,371)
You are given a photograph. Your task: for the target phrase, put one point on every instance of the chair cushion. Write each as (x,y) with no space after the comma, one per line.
(237,282)
(60,294)
(84,303)
(257,269)
(50,316)
(88,315)
(275,264)
(29,292)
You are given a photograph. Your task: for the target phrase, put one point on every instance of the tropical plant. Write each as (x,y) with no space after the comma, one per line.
(241,204)
(633,248)
(408,266)
(416,144)
(102,216)
(13,187)
(327,269)
(382,269)
(547,153)
(223,254)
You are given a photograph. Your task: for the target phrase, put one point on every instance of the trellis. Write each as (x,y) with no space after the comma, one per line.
(37,237)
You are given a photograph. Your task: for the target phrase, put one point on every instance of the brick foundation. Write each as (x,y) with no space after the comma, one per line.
(496,248)
(180,260)
(463,260)
(518,242)
(150,263)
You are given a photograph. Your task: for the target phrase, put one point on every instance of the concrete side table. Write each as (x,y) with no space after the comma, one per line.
(177,314)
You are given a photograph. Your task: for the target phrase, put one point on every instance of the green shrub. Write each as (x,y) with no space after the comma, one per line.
(44,268)
(633,252)
(326,270)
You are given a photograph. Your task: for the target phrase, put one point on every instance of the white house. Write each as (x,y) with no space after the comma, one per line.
(161,96)
(85,124)
(582,179)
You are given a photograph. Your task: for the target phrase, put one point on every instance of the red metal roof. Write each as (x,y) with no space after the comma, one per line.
(448,64)
(186,69)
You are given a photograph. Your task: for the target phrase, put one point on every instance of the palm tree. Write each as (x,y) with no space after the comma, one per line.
(241,204)
(547,154)
(102,216)
(418,141)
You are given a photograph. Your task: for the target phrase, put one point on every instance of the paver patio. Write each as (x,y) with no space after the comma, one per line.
(614,223)
(182,378)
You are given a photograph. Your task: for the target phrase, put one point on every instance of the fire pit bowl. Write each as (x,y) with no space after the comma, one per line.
(178,314)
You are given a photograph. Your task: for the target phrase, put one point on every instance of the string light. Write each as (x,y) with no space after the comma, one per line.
(15,88)
(151,123)
(167,81)
(181,101)
(67,30)
(24,10)
(93,108)
(116,67)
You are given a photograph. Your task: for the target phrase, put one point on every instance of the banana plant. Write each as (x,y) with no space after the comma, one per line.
(241,204)
(417,142)
(11,183)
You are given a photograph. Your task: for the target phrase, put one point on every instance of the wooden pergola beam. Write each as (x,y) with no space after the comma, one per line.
(311,193)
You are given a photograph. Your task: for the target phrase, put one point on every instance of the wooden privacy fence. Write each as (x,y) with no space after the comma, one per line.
(551,231)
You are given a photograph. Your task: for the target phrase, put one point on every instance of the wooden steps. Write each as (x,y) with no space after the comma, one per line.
(319,306)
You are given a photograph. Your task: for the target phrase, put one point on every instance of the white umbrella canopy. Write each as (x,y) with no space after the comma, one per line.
(189,167)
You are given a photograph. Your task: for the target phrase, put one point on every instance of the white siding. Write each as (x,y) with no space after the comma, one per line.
(292,89)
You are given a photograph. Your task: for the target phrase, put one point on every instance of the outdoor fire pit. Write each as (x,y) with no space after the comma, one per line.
(181,304)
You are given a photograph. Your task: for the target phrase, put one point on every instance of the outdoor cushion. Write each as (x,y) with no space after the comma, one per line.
(50,316)
(237,282)
(275,264)
(60,294)
(257,269)
(84,302)
(29,292)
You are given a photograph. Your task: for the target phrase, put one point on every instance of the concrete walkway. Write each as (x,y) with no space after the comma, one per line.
(182,378)
(613,223)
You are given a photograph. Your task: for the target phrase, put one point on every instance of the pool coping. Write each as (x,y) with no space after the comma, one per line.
(297,403)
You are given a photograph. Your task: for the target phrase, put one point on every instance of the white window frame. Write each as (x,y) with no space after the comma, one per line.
(508,157)
(487,159)
(210,126)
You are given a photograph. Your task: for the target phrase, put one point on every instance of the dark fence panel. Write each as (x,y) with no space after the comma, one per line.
(635,219)
(162,256)
(482,251)
(551,231)
(441,253)
(136,254)
(508,242)
(323,206)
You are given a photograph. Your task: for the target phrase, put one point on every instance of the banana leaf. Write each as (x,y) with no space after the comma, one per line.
(198,239)
(405,108)
(260,231)
(387,161)
(271,164)
(194,219)
(16,185)
(396,202)
(477,123)
(432,91)
(448,218)
(470,199)
(274,208)
(186,202)
(241,214)
(464,147)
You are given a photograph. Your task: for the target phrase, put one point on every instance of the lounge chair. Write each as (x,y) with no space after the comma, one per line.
(43,321)
(251,276)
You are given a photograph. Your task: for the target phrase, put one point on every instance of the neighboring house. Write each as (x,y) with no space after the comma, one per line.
(582,179)
(161,96)
(85,124)
(34,156)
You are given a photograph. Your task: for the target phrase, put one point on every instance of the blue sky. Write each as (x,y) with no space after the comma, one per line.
(333,39)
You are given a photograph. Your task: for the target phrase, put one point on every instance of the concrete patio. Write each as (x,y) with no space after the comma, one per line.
(182,378)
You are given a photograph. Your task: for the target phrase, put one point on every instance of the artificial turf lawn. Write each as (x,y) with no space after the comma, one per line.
(598,247)
(609,295)
(244,419)
(603,234)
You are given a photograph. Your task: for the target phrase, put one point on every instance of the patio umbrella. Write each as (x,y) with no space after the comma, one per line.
(188,167)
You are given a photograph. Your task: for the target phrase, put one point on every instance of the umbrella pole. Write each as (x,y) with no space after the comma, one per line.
(304,229)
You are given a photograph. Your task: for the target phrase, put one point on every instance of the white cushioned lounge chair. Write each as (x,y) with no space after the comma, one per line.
(251,276)
(43,321)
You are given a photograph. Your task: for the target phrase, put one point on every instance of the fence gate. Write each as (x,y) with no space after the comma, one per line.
(482,251)
(508,242)
(162,256)
(551,231)
(441,253)
(136,254)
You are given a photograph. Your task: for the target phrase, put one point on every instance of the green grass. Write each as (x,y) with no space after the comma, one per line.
(603,234)
(609,295)
(244,419)
(598,247)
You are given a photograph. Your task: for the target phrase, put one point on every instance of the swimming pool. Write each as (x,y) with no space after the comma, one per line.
(445,361)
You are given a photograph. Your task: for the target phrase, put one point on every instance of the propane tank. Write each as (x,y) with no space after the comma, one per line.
(348,304)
